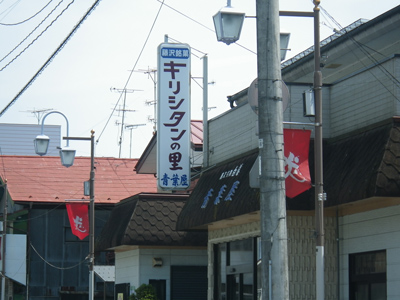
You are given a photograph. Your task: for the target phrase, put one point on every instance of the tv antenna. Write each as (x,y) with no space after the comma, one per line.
(131,127)
(124,91)
(39,113)
(152,75)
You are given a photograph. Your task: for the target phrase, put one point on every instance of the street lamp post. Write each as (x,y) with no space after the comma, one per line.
(67,159)
(91,210)
(320,196)
(272,202)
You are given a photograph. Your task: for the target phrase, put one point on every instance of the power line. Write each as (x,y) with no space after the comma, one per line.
(31,34)
(50,58)
(132,69)
(364,49)
(13,24)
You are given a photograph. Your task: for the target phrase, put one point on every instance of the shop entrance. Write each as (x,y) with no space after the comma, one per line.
(240,286)
(236,270)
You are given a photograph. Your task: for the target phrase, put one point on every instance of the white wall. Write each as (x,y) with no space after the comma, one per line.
(136,266)
(370,231)
(236,131)
(295,109)
(127,267)
(233,133)
(364,99)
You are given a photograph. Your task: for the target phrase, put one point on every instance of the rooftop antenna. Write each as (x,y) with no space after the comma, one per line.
(39,113)
(130,127)
(152,75)
(123,112)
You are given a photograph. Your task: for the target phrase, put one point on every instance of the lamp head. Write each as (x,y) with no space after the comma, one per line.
(41,143)
(67,156)
(228,24)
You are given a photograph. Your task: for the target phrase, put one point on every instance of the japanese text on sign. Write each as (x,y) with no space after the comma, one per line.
(173,126)
(225,192)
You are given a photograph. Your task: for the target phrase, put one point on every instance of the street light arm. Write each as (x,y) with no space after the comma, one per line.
(55,112)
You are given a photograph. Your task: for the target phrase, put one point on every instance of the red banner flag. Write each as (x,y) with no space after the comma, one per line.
(297,171)
(78,219)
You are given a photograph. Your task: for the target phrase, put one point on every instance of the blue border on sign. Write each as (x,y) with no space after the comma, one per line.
(180,53)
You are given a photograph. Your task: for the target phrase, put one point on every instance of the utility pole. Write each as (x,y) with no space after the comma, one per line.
(274,263)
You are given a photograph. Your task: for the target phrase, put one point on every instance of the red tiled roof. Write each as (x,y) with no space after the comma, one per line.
(45,180)
(196,128)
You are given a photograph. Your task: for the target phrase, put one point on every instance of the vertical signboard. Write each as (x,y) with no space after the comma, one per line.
(173,124)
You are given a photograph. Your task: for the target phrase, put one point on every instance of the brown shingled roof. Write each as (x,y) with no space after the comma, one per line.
(357,167)
(148,220)
(45,180)
(230,182)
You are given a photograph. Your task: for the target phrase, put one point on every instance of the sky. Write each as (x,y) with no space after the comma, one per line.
(115,48)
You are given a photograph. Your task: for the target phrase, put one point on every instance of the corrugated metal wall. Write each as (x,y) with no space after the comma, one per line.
(56,257)
(17,139)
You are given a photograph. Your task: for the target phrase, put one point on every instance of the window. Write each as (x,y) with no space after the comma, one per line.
(367,276)
(70,237)
(235,272)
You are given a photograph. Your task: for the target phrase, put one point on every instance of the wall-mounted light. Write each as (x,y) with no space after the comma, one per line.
(157,262)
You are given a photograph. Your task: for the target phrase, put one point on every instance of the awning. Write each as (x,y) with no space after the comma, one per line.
(222,192)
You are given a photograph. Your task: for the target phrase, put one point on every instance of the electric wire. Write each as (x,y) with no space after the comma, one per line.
(208,28)
(114,168)
(132,70)
(50,58)
(54,266)
(29,36)
(10,8)
(364,49)
(34,40)
(30,18)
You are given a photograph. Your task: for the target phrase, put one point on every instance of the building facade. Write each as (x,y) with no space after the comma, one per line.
(141,231)
(361,176)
